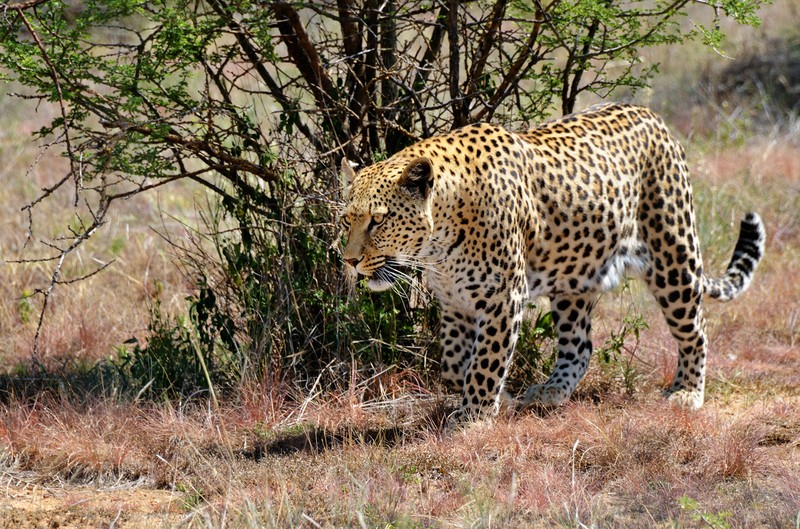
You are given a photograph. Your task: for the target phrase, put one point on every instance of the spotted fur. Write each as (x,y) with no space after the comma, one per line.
(563,210)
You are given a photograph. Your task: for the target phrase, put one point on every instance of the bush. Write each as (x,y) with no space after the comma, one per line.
(271,304)
(764,84)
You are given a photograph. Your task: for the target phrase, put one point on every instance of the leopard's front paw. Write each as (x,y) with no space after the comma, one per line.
(507,404)
(462,419)
(687,398)
(545,395)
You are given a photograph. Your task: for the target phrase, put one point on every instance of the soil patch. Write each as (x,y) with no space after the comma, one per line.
(76,507)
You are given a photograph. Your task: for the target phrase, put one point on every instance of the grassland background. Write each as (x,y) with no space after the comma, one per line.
(372,455)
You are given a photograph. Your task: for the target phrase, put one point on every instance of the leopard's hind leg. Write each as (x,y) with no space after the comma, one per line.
(679,294)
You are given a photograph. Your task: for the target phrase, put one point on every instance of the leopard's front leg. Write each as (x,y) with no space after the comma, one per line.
(496,324)
(457,338)
(572,318)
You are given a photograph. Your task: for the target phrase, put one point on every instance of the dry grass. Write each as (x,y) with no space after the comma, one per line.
(348,465)
(374,456)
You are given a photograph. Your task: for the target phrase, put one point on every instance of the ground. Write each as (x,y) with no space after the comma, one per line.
(74,507)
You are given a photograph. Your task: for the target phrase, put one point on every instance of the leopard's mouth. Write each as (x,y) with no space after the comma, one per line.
(383,278)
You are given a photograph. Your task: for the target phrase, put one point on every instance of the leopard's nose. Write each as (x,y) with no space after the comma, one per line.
(353,261)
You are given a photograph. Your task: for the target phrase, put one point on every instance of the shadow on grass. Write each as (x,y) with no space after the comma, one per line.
(110,378)
(306,439)
(318,440)
(73,381)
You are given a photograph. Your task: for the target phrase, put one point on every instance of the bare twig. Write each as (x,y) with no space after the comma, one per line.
(204,147)
(98,220)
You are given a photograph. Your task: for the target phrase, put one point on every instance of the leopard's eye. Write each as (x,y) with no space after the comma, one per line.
(345,223)
(376,220)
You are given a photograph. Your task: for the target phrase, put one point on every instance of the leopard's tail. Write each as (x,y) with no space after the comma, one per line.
(748,252)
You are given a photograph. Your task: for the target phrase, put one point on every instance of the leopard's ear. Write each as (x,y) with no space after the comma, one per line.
(417,178)
(347,176)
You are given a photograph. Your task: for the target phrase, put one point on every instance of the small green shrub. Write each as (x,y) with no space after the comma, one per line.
(714,520)
(25,308)
(179,358)
(536,352)
(615,346)
(612,353)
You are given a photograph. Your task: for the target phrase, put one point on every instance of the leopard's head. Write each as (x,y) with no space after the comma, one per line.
(387,218)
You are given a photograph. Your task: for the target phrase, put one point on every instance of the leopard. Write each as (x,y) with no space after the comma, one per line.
(565,210)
